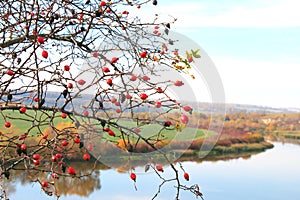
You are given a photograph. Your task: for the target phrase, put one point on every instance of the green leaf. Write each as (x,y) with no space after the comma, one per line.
(197,56)
(195,53)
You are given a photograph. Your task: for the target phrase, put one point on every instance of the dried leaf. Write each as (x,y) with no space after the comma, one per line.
(168,25)
(123,98)
(171,42)
(147,167)
(167,31)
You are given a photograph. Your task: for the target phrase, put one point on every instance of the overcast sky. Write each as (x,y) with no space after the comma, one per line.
(255,45)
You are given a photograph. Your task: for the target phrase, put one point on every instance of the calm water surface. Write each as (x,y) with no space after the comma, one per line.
(271,175)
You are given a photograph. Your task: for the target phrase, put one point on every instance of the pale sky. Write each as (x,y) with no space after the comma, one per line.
(255,45)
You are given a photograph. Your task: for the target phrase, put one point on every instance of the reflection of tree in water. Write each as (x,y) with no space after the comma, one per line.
(8,186)
(83,186)
(283,138)
(90,182)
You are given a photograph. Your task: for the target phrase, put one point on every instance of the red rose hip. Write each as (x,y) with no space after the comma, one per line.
(109,82)
(67,67)
(86,113)
(45,184)
(36,156)
(44,54)
(143,54)
(159,168)
(23,147)
(77,139)
(178,83)
(111,133)
(186,176)
(22,110)
(187,108)
(184,119)
(133,78)
(143,96)
(71,171)
(105,69)
(102,3)
(133,176)
(64,143)
(114,60)
(36,162)
(70,85)
(10,73)
(86,157)
(81,82)
(146,78)
(63,115)
(158,104)
(7,124)
(41,40)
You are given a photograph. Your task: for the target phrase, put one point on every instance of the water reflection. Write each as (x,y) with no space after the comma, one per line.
(269,175)
(85,186)
(63,186)
(278,137)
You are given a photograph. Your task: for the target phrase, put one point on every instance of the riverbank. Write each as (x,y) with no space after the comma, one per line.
(121,159)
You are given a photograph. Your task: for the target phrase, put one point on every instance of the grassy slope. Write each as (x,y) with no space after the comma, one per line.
(22,122)
(151,130)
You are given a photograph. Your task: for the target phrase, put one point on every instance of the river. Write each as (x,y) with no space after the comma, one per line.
(271,175)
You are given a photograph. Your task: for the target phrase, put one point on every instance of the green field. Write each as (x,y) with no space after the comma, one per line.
(152,130)
(26,123)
